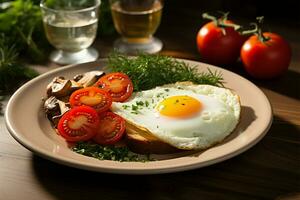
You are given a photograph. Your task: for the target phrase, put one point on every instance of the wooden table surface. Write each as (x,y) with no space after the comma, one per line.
(269,170)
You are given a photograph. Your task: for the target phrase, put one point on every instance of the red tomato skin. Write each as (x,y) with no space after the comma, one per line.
(109,141)
(90,132)
(266,60)
(74,101)
(218,48)
(104,84)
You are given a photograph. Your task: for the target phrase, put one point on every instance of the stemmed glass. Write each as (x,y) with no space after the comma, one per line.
(136,21)
(71,27)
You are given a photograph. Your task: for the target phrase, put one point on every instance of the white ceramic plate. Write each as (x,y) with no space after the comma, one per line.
(27,123)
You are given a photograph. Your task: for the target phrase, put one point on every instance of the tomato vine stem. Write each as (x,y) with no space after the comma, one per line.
(257,30)
(221,21)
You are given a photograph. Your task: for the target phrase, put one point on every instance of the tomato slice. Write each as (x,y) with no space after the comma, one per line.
(79,124)
(94,97)
(111,128)
(118,85)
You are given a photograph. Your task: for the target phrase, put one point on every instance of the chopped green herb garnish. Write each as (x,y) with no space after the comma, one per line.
(159,95)
(148,71)
(125,106)
(139,103)
(134,107)
(122,154)
(146,103)
(167,90)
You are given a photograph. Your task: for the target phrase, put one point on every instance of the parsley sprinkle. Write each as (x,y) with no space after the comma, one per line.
(134,107)
(159,95)
(146,103)
(167,90)
(125,106)
(122,154)
(139,103)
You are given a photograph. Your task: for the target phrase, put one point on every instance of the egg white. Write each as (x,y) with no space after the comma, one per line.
(218,117)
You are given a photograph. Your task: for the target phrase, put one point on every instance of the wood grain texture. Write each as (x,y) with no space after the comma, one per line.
(269,170)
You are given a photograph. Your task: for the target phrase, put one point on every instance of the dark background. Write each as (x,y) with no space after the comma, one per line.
(281,11)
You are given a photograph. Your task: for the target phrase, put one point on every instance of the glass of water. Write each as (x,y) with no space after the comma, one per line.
(71,27)
(136,21)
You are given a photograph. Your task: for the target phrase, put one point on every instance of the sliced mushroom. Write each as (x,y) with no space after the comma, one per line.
(64,99)
(61,87)
(89,78)
(58,86)
(74,86)
(54,109)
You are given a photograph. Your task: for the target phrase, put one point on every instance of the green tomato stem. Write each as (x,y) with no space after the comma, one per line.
(210,17)
(257,30)
(221,21)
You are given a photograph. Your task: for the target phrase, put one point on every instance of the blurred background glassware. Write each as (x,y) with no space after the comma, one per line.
(71,27)
(136,21)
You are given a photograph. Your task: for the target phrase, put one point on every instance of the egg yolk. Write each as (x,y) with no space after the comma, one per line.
(179,106)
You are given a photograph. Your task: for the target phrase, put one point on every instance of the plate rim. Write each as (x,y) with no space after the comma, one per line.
(74,163)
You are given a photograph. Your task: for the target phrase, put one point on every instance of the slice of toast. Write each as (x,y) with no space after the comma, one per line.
(141,141)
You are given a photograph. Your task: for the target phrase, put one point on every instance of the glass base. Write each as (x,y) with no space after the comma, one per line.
(153,46)
(65,58)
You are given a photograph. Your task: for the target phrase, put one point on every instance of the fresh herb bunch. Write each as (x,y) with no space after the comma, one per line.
(12,73)
(21,23)
(122,154)
(148,71)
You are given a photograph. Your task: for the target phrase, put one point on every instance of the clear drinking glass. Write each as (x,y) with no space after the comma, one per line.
(71,27)
(136,21)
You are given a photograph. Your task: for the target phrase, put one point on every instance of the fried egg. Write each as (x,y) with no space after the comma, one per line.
(186,116)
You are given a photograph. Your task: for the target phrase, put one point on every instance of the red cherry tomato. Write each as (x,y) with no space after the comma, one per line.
(267,59)
(111,128)
(94,97)
(219,46)
(118,85)
(79,124)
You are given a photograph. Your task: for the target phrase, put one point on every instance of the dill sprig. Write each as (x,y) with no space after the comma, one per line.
(148,71)
(122,154)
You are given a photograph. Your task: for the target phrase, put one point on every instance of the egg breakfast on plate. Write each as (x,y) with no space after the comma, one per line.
(122,110)
(182,115)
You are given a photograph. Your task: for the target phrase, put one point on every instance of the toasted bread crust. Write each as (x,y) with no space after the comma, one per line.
(142,141)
